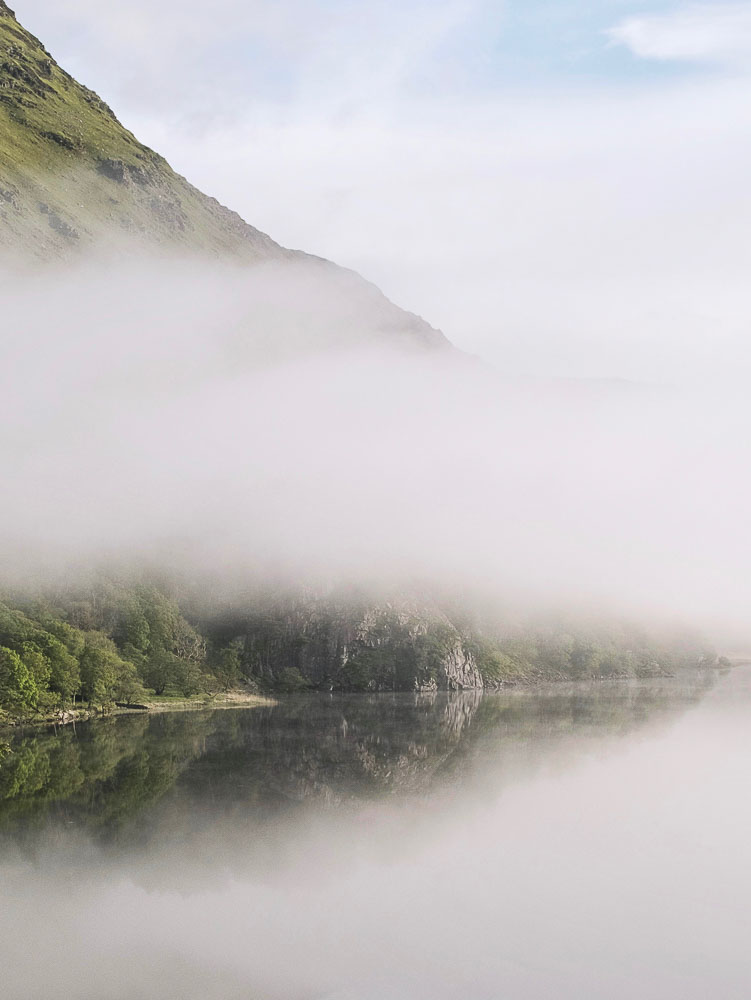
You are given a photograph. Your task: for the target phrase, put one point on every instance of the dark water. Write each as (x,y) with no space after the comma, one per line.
(575,842)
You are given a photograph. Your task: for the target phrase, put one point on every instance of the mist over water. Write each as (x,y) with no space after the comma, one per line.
(250,424)
(222,479)
(578,840)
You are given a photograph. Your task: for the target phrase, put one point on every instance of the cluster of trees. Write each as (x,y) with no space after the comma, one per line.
(566,651)
(107,644)
(114,642)
(343,642)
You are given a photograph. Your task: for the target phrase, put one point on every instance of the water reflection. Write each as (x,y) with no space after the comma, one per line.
(574,842)
(134,775)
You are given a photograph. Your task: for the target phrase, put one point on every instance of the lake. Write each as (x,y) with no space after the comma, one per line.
(571,841)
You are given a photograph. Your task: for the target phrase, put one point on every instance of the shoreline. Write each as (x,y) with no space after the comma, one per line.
(239,699)
(231,699)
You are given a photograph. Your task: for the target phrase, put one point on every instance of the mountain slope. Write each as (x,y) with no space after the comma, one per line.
(73,178)
(71,173)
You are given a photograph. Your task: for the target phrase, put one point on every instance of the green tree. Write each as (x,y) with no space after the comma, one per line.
(37,663)
(290,679)
(127,688)
(585,659)
(101,669)
(188,678)
(227,665)
(65,672)
(19,694)
(133,629)
(160,670)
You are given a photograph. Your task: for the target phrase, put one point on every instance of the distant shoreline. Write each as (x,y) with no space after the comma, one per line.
(160,705)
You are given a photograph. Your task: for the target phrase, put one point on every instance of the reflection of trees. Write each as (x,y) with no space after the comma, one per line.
(166,770)
(102,773)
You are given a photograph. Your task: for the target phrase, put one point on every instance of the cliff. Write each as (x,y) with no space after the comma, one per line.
(395,645)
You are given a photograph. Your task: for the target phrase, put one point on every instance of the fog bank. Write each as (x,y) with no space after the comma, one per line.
(252,425)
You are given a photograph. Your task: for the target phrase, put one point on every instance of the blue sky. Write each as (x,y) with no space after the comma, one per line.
(561,186)
(538,42)
(279,48)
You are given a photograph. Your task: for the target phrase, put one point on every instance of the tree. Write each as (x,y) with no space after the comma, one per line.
(19,694)
(227,665)
(65,673)
(159,670)
(188,678)
(127,687)
(102,670)
(290,679)
(585,660)
(37,664)
(133,628)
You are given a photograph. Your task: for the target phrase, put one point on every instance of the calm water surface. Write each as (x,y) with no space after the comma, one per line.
(576,842)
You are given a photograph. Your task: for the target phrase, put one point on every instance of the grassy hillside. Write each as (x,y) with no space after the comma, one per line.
(70,173)
(72,178)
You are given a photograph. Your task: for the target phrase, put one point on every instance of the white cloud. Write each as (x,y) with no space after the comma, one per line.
(582,235)
(593,232)
(709,33)
(152,424)
(598,231)
(179,58)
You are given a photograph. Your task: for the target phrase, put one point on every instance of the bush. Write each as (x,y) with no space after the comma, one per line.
(290,679)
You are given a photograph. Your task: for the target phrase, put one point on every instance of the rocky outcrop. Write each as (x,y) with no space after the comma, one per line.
(459,670)
(331,645)
(448,665)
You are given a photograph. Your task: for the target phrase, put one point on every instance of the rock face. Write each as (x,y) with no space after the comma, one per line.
(459,670)
(422,641)
(393,646)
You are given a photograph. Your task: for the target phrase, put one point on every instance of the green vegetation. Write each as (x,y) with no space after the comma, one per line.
(121,765)
(108,776)
(125,642)
(71,174)
(397,654)
(358,645)
(102,645)
(568,650)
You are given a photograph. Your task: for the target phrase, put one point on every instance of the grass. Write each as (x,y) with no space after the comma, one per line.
(153,704)
(228,699)
(61,147)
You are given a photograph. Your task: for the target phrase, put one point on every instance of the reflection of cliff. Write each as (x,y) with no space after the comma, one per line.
(458,712)
(172,771)
(518,733)
(331,749)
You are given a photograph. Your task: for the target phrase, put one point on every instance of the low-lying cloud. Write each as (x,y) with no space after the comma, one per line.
(398,139)
(236,422)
